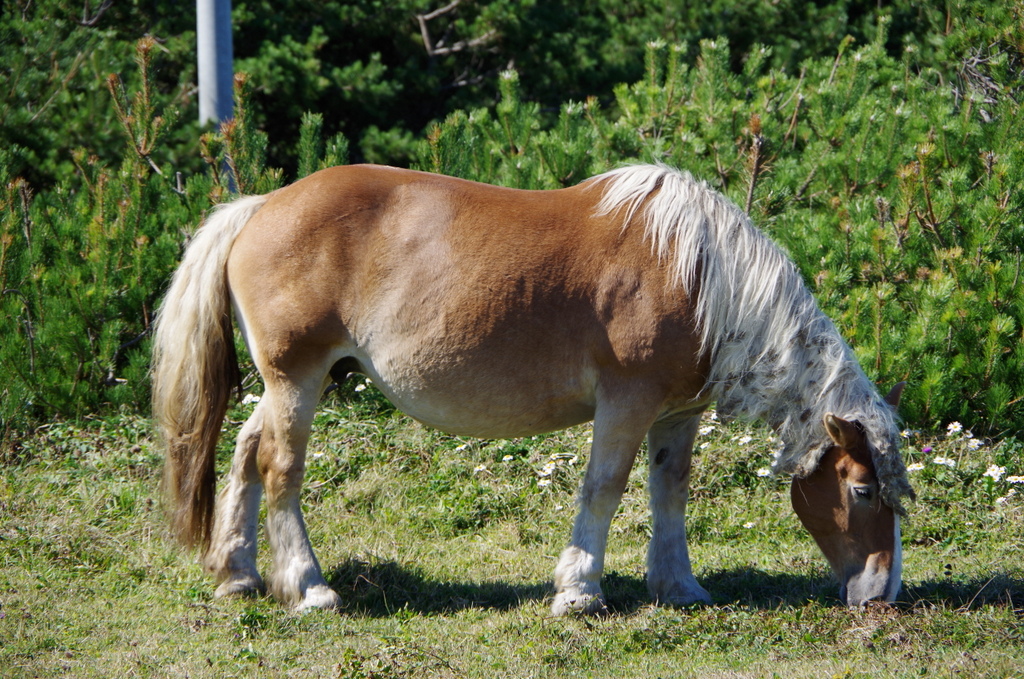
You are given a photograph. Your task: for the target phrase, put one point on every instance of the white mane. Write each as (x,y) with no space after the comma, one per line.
(774,355)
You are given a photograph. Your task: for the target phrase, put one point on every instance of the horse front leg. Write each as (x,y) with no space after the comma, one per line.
(669,574)
(617,439)
(296,580)
(231,554)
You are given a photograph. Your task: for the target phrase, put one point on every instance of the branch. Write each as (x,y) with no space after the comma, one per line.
(95,18)
(439,12)
(756,158)
(424,18)
(433,49)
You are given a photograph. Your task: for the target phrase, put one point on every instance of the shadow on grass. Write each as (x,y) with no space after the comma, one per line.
(387,588)
(999,589)
(754,588)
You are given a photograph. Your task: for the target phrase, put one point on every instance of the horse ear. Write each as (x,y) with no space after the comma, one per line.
(843,433)
(893,397)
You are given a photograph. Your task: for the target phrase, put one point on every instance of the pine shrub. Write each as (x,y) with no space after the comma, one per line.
(82,271)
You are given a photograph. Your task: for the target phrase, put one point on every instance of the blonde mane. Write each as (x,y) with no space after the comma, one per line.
(774,355)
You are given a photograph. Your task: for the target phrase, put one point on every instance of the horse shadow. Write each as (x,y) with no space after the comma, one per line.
(754,588)
(387,588)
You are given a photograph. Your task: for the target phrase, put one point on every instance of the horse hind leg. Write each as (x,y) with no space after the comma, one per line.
(669,573)
(296,580)
(231,554)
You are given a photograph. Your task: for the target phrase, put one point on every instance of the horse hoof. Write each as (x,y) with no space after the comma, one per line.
(246,585)
(319,596)
(569,603)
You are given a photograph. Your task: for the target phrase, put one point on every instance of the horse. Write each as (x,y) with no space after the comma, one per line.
(635,299)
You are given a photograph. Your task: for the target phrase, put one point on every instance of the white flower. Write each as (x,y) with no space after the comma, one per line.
(480,468)
(744,440)
(360,387)
(995,472)
(547,469)
(713,415)
(764,471)
(318,454)
(1015,479)
(973,444)
(748,524)
(905,433)
(250,398)
(705,445)
(954,428)
(507,458)
(704,431)
(915,467)
(543,483)
(461,448)
(945,461)
(1009,494)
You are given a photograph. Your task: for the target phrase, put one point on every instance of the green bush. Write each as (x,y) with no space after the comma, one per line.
(363,63)
(82,271)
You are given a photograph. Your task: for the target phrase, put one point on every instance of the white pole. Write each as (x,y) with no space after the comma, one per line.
(213,34)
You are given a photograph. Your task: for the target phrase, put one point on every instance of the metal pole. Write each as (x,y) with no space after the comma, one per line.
(213,33)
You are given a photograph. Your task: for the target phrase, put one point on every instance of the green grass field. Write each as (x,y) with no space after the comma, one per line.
(443,549)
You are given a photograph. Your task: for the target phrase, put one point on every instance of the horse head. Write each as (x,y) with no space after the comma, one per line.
(841,504)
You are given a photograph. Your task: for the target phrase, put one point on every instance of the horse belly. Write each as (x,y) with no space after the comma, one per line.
(482,398)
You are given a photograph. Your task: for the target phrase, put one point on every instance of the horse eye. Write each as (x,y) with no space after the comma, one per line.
(862,491)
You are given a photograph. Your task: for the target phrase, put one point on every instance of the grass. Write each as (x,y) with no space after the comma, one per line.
(442,549)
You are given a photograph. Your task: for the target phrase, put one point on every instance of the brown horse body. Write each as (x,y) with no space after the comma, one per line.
(509,313)
(488,312)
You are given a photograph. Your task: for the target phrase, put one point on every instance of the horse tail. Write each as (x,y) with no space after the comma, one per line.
(195,369)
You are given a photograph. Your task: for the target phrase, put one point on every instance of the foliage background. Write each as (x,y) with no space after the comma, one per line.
(878,145)
(363,64)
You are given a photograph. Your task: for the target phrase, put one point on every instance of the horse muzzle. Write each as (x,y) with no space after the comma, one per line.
(878,579)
